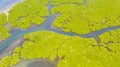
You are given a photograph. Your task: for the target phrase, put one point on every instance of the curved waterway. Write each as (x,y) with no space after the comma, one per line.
(47,25)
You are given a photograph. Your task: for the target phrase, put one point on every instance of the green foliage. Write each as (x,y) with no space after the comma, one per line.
(15,58)
(17,50)
(28,12)
(4,32)
(111,36)
(3,20)
(111,40)
(10,60)
(40,44)
(71,51)
(83,19)
(5,62)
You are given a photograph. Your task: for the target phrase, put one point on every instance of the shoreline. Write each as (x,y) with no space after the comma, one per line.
(6,9)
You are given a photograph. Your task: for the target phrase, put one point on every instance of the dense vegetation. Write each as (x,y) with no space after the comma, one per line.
(111,40)
(4,32)
(71,51)
(82,19)
(28,12)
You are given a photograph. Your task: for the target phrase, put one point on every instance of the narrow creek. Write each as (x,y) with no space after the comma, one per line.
(47,25)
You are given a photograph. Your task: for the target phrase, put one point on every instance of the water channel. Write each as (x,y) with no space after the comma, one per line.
(47,25)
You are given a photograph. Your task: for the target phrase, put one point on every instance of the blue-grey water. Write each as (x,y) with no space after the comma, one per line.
(84,1)
(42,64)
(16,33)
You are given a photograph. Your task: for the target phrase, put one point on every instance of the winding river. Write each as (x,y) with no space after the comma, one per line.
(47,25)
